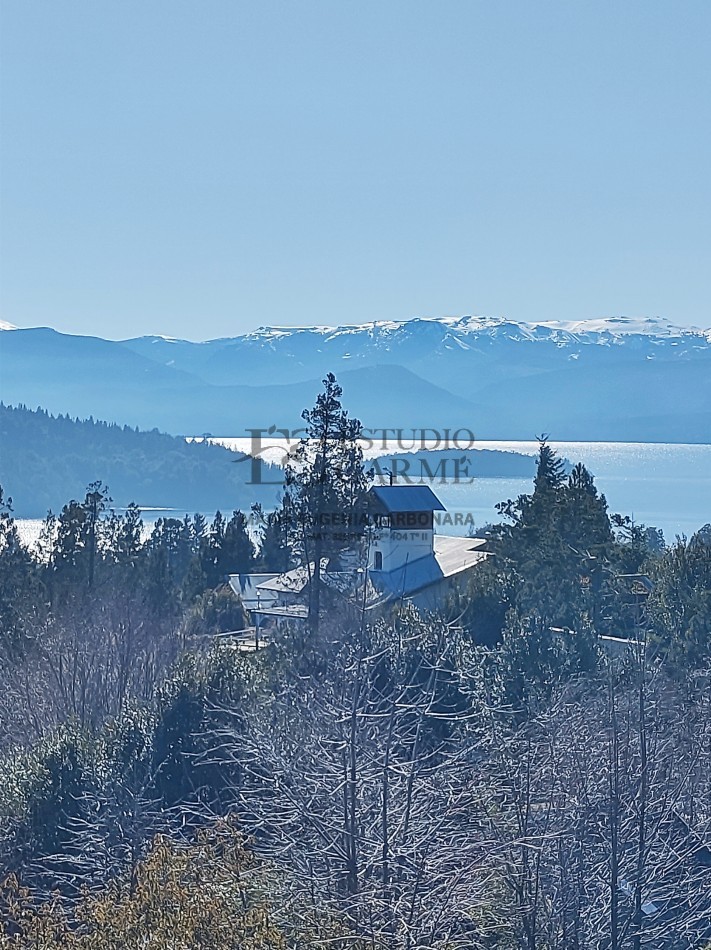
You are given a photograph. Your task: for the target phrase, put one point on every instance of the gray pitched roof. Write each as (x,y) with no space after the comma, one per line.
(393,498)
(247,587)
(451,556)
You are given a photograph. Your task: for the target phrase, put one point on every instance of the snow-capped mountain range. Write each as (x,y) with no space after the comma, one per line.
(616,378)
(606,330)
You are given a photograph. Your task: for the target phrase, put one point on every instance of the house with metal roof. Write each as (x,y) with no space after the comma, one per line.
(404,561)
(403,524)
(407,560)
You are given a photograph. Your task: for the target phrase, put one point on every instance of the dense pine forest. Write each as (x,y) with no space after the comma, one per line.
(528,767)
(48,459)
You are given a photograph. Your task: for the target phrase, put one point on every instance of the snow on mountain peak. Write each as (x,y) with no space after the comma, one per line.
(391,338)
(621,326)
(600,330)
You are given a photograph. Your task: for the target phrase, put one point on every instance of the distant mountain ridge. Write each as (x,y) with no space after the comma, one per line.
(415,341)
(617,379)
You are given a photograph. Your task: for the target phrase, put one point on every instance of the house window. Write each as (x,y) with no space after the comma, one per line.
(378,560)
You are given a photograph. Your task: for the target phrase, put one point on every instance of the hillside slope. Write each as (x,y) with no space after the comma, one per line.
(46,461)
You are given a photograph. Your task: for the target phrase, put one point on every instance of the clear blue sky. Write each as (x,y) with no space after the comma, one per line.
(201,168)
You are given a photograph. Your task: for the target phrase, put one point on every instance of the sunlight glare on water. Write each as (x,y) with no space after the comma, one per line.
(661,484)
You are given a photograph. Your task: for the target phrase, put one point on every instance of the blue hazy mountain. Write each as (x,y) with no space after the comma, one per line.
(613,379)
(87,375)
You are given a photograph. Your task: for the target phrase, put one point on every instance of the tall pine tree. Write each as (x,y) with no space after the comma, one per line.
(325,487)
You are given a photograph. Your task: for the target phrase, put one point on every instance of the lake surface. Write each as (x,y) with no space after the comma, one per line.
(665,485)
(660,484)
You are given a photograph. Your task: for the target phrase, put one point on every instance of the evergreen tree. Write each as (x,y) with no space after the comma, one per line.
(678,610)
(550,473)
(237,554)
(95,504)
(129,536)
(559,546)
(210,550)
(19,584)
(274,551)
(79,541)
(325,487)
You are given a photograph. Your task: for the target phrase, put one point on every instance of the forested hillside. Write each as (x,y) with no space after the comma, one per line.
(529,768)
(47,459)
